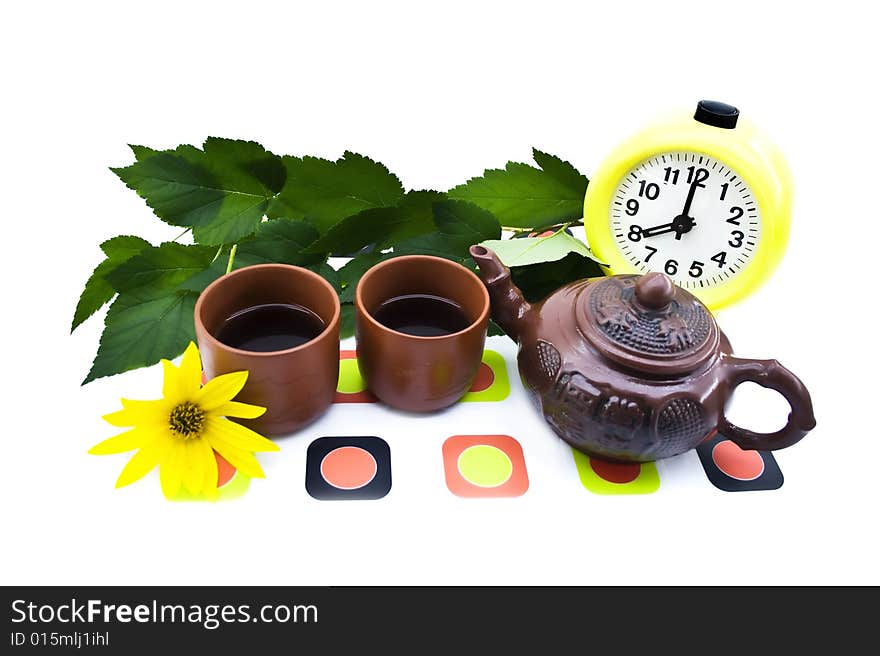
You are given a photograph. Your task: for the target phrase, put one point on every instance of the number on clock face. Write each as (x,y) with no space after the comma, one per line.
(688,215)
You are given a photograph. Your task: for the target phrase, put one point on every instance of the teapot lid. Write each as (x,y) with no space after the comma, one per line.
(647,323)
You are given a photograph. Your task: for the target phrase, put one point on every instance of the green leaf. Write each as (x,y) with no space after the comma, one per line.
(413,216)
(251,157)
(121,248)
(436,244)
(142,152)
(217,268)
(141,331)
(562,171)
(355,232)
(466,221)
(521,252)
(222,191)
(523,196)
(280,241)
(98,291)
(328,273)
(381,225)
(324,192)
(537,281)
(352,271)
(160,269)
(346,321)
(459,226)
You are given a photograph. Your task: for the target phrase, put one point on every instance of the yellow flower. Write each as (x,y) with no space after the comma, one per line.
(181,431)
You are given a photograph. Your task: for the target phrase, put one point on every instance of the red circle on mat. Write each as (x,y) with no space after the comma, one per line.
(484,379)
(616,472)
(225,471)
(349,467)
(737,463)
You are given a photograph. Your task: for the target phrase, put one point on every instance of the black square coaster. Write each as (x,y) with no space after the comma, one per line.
(348,467)
(732,469)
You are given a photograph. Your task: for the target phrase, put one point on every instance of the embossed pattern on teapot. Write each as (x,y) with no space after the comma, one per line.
(633,368)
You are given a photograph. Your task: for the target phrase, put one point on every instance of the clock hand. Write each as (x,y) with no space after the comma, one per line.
(684,223)
(690,198)
(659,230)
(679,225)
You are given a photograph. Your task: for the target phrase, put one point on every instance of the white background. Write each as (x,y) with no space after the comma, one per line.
(438,93)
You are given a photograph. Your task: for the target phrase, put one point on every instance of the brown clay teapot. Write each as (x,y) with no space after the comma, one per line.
(634,368)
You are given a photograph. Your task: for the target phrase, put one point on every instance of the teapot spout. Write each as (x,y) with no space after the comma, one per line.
(509,307)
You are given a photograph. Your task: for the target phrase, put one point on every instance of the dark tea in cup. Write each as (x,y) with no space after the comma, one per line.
(422,315)
(270,327)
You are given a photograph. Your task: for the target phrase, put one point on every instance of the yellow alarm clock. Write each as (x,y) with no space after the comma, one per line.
(703,197)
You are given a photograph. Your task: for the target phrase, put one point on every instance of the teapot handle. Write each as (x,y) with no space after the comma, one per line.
(770,374)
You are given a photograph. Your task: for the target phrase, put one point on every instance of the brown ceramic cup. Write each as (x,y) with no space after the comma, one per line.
(420,374)
(295,385)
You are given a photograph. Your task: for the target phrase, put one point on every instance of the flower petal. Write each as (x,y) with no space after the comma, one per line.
(171,469)
(221,389)
(143,462)
(189,377)
(130,440)
(139,413)
(241,410)
(211,493)
(212,475)
(208,484)
(171,389)
(193,474)
(243,461)
(121,418)
(237,436)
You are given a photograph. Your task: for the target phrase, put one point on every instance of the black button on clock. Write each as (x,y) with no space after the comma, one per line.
(717,114)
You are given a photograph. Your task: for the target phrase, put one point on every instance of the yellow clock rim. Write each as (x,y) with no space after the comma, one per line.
(745,150)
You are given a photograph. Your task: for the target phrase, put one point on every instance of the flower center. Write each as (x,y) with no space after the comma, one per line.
(186,420)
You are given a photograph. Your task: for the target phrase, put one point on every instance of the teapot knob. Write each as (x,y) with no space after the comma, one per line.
(655,290)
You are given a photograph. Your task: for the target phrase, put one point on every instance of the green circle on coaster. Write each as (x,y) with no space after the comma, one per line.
(485,466)
(350,379)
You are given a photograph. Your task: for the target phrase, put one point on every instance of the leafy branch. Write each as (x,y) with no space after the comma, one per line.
(245,205)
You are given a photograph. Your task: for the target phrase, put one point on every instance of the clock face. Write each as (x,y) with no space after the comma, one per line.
(688,215)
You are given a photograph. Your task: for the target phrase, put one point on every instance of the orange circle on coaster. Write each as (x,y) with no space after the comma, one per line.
(349,467)
(737,463)
(225,471)
(616,472)
(484,378)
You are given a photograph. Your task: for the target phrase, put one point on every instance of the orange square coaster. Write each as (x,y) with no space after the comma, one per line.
(485,466)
